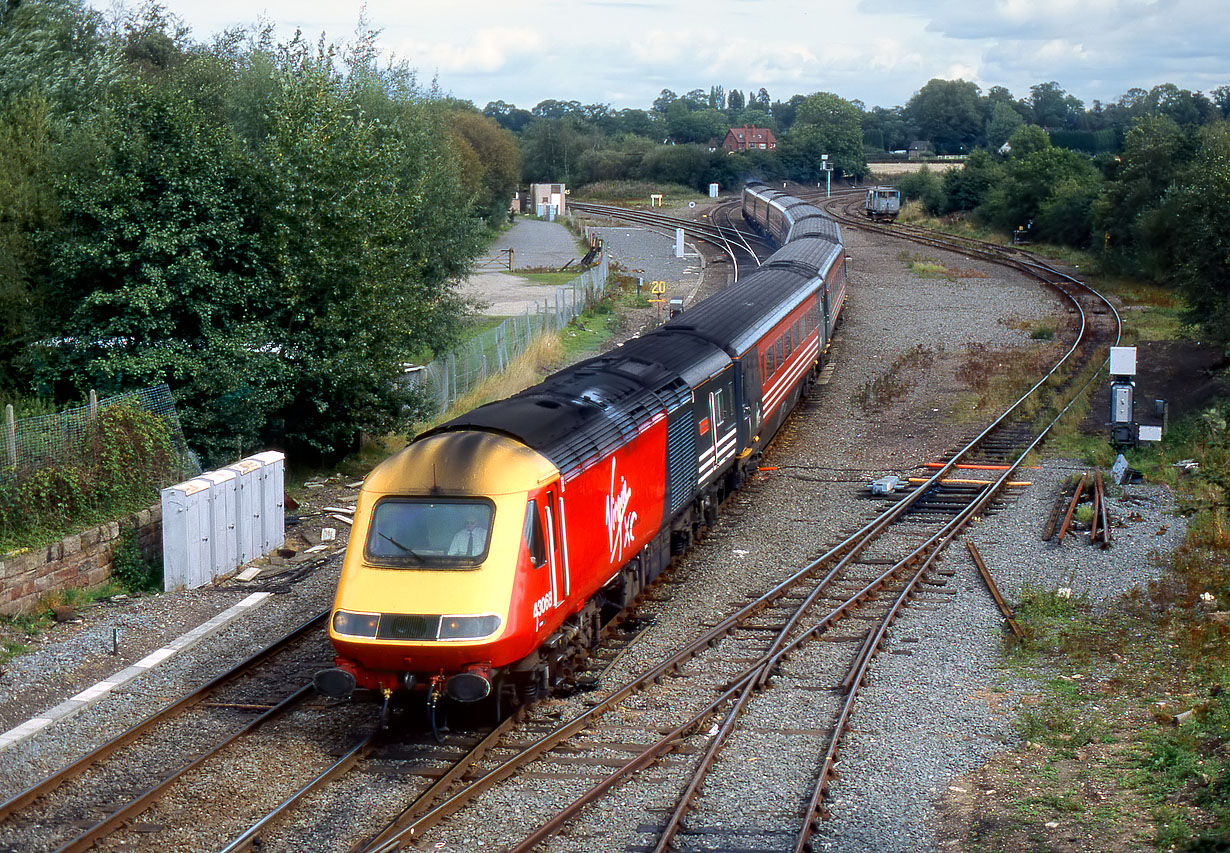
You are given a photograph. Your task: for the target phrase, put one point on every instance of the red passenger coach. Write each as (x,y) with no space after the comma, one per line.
(489,553)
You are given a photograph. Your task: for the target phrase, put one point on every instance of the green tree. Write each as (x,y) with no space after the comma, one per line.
(29,219)
(688,165)
(825,124)
(1050,187)
(967,187)
(551,148)
(636,122)
(492,160)
(924,187)
(1052,107)
(695,125)
(367,232)
(1028,139)
(663,101)
(1193,225)
(509,117)
(948,113)
(1004,122)
(158,274)
(1155,150)
(60,48)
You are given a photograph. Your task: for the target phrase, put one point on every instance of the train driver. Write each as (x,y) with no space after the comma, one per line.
(471,539)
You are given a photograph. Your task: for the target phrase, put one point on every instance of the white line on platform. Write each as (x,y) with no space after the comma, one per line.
(92,694)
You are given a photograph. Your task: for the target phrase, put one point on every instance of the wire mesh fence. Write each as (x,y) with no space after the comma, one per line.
(483,356)
(28,444)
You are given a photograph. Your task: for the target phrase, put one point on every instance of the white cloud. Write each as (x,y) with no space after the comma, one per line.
(487,52)
(623,52)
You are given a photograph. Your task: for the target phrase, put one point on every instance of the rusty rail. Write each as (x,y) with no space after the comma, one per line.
(1076,496)
(999,599)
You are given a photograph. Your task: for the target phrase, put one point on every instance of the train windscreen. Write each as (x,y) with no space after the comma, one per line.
(429,534)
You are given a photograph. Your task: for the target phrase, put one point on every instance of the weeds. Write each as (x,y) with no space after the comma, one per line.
(131,570)
(896,382)
(636,193)
(128,457)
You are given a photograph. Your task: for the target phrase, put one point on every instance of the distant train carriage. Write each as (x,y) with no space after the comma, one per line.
(883,203)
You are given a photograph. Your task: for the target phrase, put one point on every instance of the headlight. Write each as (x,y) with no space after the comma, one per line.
(468,627)
(355,624)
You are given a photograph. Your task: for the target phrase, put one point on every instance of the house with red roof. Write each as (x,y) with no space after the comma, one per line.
(744,138)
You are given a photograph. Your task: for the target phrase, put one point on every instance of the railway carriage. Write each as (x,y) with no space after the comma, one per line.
(491,550)
(883,203)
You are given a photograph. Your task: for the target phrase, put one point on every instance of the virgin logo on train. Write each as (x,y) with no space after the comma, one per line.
(619,519)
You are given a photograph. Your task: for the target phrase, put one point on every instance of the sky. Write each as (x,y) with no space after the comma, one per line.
(625,52)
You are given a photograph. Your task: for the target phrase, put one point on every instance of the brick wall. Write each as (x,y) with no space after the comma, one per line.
(81,560)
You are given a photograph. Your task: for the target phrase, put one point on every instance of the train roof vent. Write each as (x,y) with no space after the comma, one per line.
(593,395)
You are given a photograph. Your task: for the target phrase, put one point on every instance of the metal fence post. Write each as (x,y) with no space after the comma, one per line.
(10,436)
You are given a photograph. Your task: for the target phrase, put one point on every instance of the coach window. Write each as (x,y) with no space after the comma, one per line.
(780,352)
(770,361)
(798,338)
(533,536)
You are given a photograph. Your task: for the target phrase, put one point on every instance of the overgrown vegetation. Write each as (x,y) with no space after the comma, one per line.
(1144,681)
(127,457)
(894,383)
(131,570)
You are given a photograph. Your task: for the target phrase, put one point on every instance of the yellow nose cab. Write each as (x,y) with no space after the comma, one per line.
(432,565)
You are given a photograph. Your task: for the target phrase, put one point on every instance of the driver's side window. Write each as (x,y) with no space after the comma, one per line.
(534,539)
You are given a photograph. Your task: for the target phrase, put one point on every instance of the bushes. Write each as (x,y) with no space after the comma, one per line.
(127,457)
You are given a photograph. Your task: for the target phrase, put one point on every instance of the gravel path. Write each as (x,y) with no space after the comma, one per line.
(938,702)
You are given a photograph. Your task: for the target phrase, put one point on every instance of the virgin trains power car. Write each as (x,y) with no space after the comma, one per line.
(490,551)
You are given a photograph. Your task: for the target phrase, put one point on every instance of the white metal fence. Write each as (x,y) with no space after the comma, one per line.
(452,376)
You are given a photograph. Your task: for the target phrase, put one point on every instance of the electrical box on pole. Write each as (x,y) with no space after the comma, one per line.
(1123,396)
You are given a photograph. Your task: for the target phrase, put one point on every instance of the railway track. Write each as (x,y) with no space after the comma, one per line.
(714,681)
(737,244)
(738,667)
(112,784)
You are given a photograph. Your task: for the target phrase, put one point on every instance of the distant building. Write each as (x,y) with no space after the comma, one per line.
(919,149)
(542,195)
(745,138)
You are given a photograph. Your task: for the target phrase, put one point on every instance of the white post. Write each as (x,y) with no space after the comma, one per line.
(10,435)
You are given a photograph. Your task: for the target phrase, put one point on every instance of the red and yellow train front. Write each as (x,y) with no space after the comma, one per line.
(439,562)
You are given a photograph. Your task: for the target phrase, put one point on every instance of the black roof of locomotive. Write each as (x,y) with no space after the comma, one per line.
(595,405)
(734,318)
